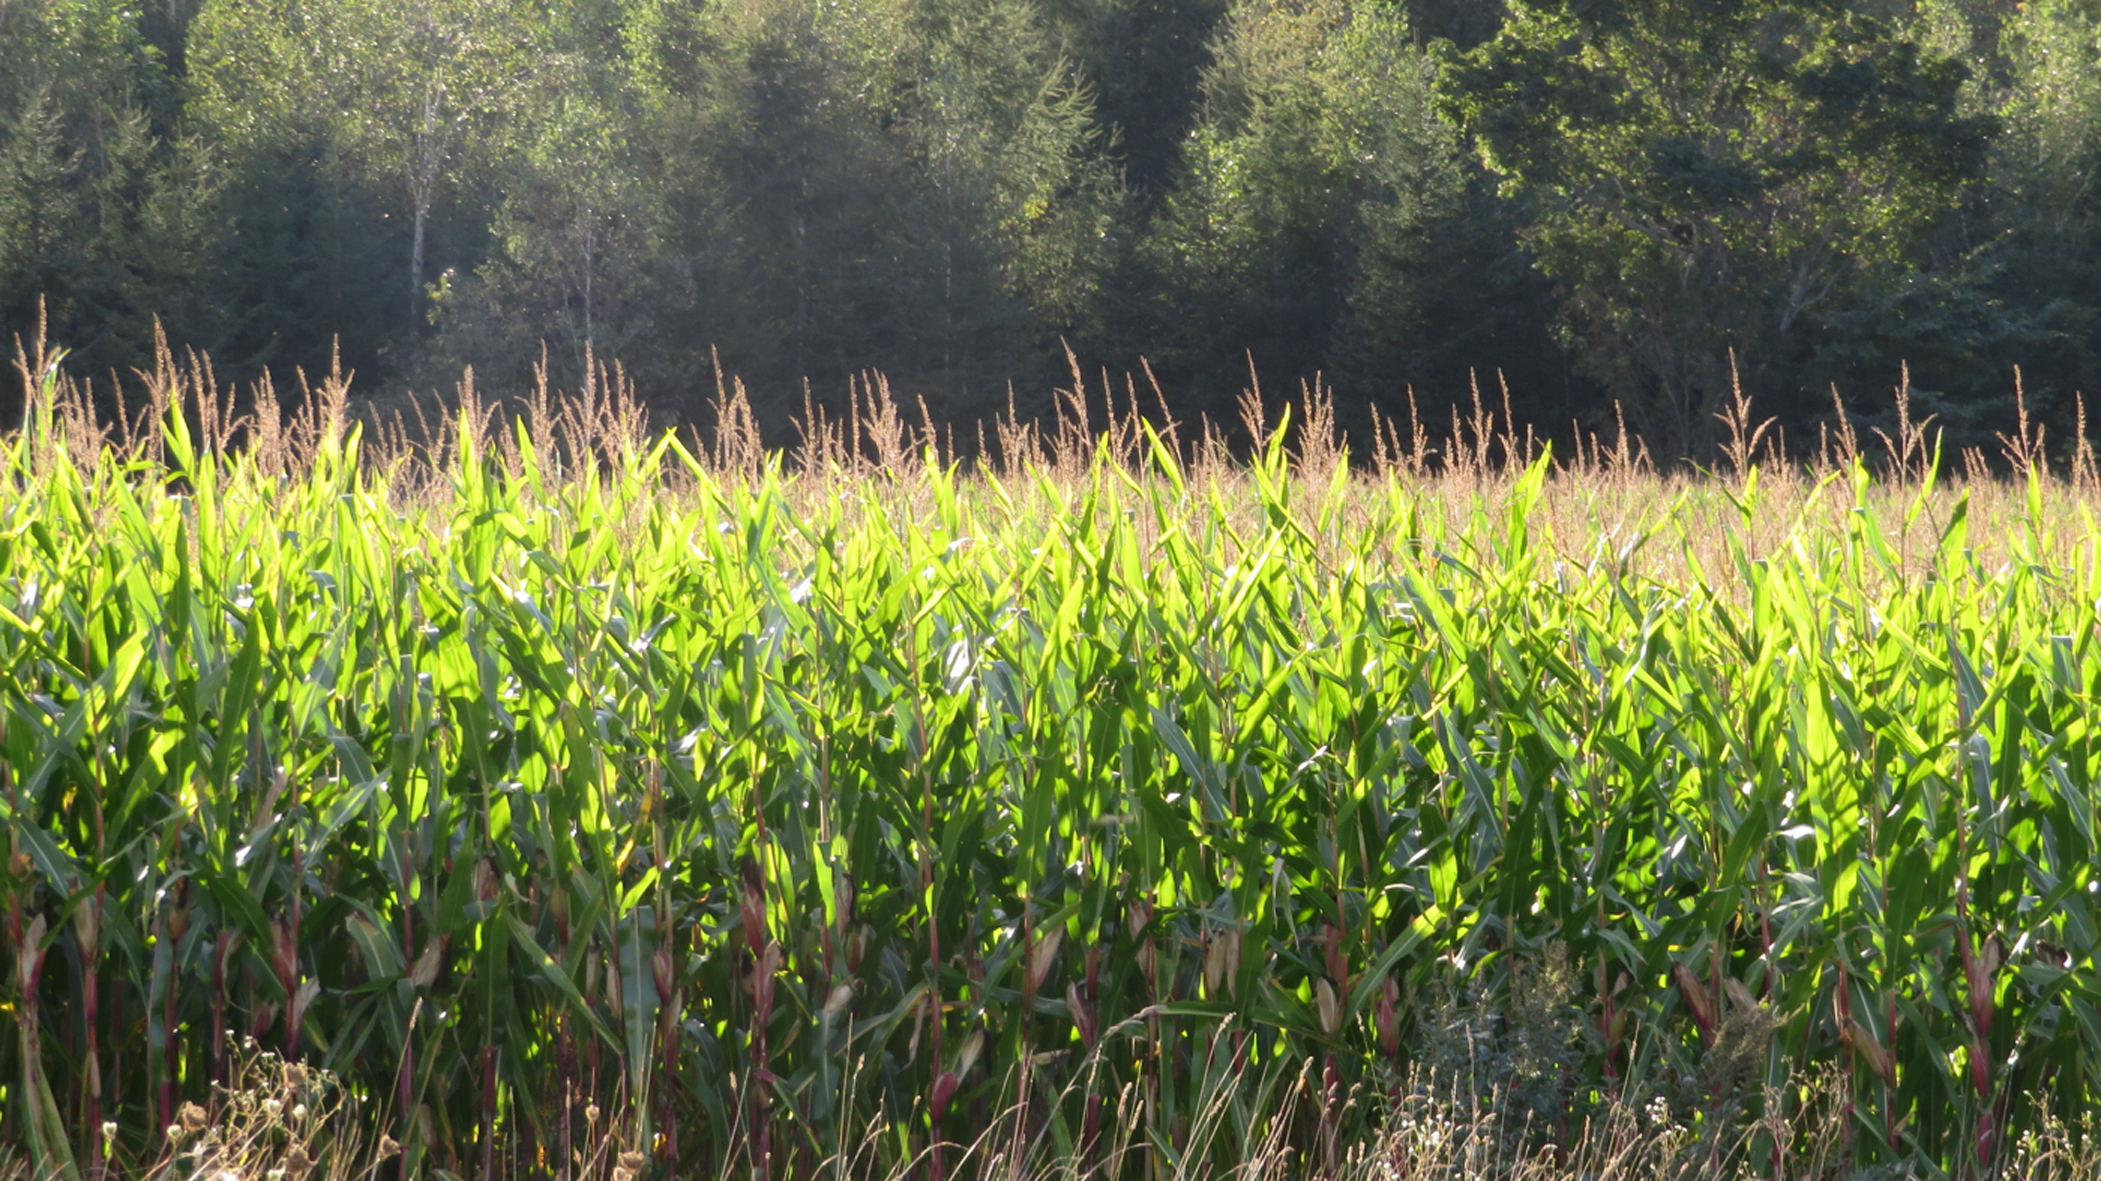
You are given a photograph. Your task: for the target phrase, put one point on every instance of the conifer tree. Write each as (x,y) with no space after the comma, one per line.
(105,220)
(1318,155)
(806,191)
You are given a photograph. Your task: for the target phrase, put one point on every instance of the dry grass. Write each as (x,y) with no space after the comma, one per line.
(1607,503)
(282,1122)
(1608,500)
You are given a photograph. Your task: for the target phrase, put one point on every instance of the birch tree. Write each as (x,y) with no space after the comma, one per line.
(407,92)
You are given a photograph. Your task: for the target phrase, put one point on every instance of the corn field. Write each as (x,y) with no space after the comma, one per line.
(589,803)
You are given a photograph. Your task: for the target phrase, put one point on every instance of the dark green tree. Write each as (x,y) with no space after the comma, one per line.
(2044,72)
(1711,176)
(373,119)
(1144,61)
(1295,232)
(106,217)
(40,207)
(1464,23)
(914,186)
(571,254)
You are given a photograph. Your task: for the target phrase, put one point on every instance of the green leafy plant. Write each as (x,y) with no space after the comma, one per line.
(583,805)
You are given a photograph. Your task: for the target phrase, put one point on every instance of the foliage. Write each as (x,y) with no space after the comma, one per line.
(101,207)
(2044,169)
(810,189)
(397,93)
(797,193)
(1144,62)
(1711,175)
(1316,165)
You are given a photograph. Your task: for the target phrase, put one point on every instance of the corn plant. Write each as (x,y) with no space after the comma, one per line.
(593,805)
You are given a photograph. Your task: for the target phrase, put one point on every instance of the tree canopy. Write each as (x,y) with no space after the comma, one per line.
(1708,173)
(1609,206)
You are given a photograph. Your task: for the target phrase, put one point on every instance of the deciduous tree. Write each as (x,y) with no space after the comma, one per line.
(1708,174)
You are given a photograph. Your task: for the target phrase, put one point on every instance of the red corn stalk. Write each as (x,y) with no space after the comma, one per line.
(935,1170)
(284,960)
(1332,955)
(1765,932)
(222,948)
(944,1089)
(1329,1008)
(1038,957)
(1221,972)
(1137,918)
(937,1096)
(1977,973)
(1331,1114)
(45,1123)
(295,1004)
(1842,1006)
(567,1146)
(87,930)
(564,1050)
(260,1016)
(1612,1024)
(766,955)
(660,968)
(525,1143)
(404,1090)
(1859,1041)
(163,1097)
(1083,1017)
(175,923)
(1085,1009)
(116,1022)
(488,1113)
(843,891)
(752,905)
(1041,957)
(485,893)
(1386,1018)
(1222,962)
(1698,1000)
(946,1082)
(761,985)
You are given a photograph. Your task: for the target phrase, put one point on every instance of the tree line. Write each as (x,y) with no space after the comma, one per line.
(1599,209)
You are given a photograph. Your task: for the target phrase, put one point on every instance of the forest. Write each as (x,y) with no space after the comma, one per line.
(1595,210)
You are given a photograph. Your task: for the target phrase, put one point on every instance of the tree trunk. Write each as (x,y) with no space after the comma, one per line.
(416,262)
(421,184)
